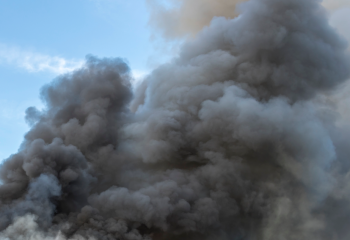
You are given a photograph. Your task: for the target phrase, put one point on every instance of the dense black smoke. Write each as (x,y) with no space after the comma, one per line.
(233,139)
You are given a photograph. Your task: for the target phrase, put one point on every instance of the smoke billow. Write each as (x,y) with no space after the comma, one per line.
(233,139)
(180,18)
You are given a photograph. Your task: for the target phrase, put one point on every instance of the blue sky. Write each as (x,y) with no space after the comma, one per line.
(41,39)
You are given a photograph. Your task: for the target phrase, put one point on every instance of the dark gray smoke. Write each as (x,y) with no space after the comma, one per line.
(233,139)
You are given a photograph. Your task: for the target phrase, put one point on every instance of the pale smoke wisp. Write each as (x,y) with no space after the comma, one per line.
(187,17)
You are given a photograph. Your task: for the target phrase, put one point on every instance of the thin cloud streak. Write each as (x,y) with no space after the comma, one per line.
(36,62)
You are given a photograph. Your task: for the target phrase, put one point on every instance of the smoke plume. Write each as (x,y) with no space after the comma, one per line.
(180,18)
(236,138)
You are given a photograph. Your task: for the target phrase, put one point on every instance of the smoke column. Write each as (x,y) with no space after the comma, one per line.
(175,19)
(233,139)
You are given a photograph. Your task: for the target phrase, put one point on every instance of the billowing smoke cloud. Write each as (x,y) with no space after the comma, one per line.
(180,18)
(233,139)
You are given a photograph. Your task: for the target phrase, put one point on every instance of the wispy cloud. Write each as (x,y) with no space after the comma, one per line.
(36,62)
